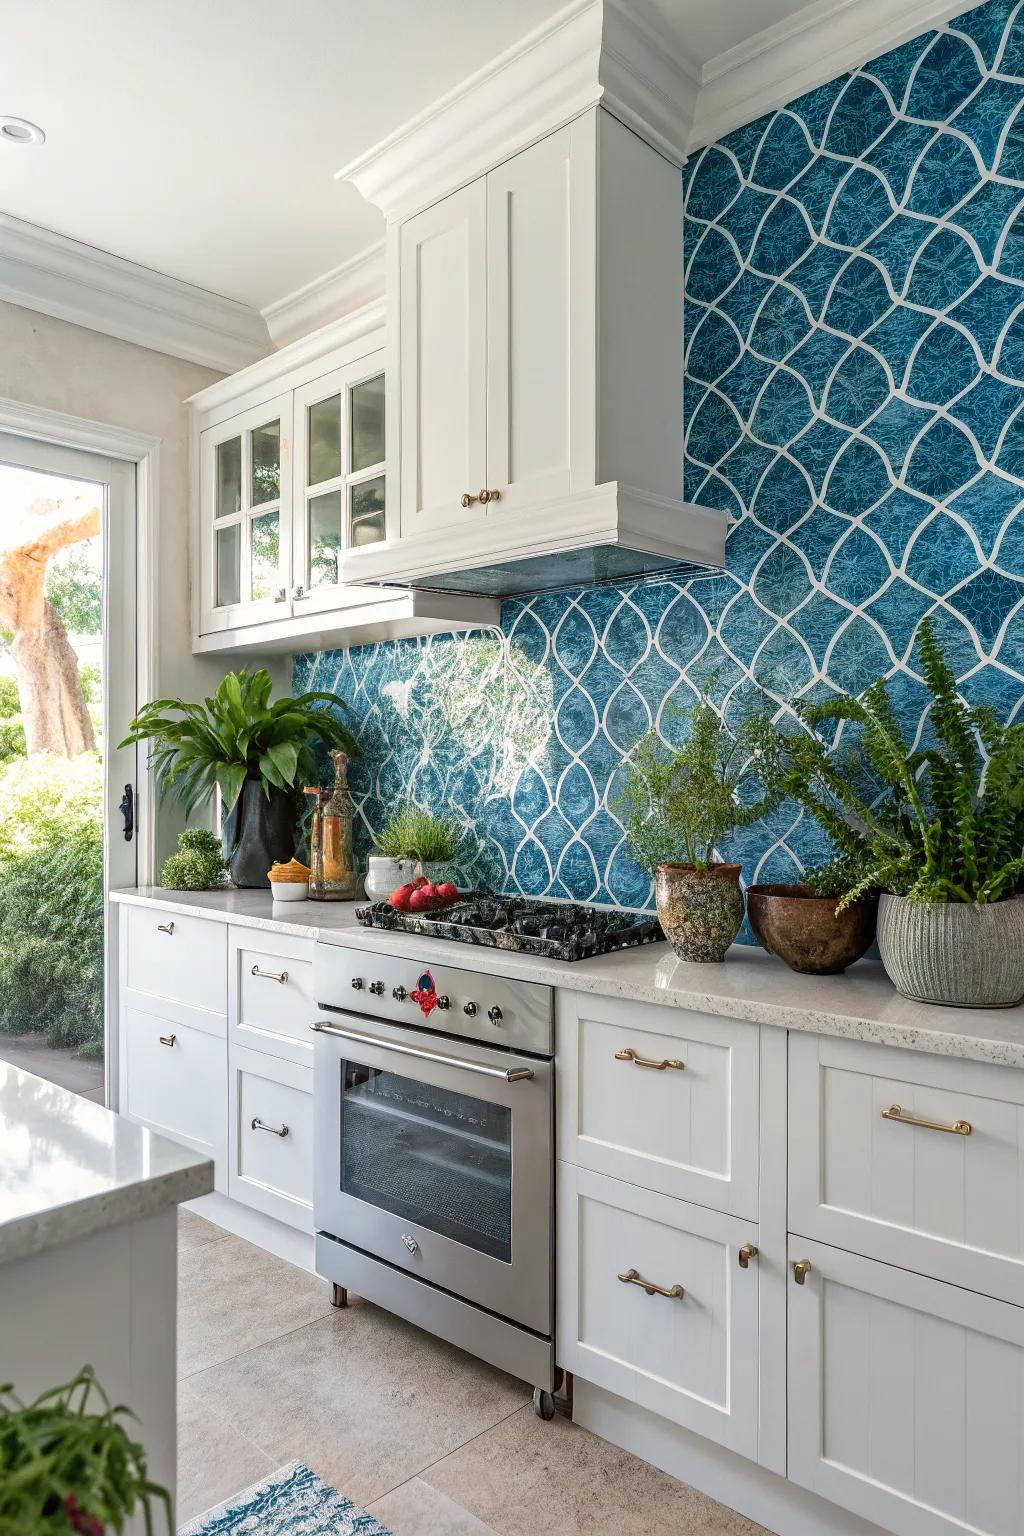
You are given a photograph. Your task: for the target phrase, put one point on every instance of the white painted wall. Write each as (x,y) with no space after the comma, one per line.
(63,367)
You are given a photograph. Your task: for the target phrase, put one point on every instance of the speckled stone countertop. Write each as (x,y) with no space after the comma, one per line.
(861,1005)
(69,1167)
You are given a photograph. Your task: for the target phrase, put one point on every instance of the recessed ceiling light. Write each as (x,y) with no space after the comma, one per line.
(18,130)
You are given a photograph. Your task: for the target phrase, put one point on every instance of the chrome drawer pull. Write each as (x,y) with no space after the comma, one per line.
(165,927)
(168,1039)
(281,976)
(260,1125)
(958,1128)
(643,1061)
(633,1277)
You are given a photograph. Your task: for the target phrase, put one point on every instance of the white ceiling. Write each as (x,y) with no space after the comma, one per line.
(200,137)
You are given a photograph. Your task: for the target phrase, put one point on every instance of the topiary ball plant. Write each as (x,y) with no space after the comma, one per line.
(197,865)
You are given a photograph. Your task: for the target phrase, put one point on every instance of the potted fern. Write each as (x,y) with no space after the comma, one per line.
(679,805)
(939,832)
(413,842)
(65,1466)
(256,753)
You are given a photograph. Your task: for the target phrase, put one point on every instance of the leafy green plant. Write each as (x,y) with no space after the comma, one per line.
(198,863)
(65,1468)
(944,823)
(237,734)
(414,833)
(680,804)
(12,732)
(51,900)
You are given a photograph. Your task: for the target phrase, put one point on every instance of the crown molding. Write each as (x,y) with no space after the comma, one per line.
(48,272)
(360,332)
(357,282)
(815,45)
(590,52)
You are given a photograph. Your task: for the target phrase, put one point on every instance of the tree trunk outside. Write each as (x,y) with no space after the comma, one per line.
(53,708)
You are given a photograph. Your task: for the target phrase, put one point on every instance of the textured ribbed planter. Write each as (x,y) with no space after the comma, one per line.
(700,909)
(961,954)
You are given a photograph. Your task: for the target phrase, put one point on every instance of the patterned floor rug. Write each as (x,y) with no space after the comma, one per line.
(292,1501)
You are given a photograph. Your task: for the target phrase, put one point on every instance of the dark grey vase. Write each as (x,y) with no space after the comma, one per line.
(257,832)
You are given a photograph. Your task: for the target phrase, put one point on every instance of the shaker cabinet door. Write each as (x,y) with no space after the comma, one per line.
(443,362)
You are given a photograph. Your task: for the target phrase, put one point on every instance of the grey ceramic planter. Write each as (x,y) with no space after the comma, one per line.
(967,956)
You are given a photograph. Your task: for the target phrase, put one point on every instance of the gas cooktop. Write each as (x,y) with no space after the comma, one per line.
(557,930)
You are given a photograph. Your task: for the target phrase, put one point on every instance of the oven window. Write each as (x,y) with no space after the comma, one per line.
(438,1158)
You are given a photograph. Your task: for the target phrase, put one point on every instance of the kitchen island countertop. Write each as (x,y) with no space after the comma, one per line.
(751,985)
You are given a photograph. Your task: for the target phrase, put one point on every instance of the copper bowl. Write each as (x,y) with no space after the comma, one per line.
(802,928)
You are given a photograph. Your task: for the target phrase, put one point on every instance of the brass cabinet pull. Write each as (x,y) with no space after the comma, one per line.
(958,1128)
(467,499)
(643,1061)
(746,1253)
(281,976)
(801,1269)
(260,1125)
(168,1039)
(486,496)
(165,927)
(633,1277)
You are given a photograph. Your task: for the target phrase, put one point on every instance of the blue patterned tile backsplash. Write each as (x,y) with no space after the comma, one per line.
(854,399)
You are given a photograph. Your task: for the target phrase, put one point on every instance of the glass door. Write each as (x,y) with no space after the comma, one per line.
(245,466)
(340,490)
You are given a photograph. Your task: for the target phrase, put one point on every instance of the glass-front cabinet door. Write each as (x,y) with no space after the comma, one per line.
(246,517)
(339,492)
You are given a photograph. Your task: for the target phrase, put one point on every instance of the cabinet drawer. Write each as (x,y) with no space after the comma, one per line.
(174,1079)
(176,959)
(270,1001)
(917,1195)
(686,1130)
(690,1358)
(272,1136)
(905,1401)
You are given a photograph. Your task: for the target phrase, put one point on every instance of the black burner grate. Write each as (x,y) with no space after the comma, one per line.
(557,930)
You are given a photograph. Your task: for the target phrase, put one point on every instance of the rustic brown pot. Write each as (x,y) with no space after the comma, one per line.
(802,928)
(700,909)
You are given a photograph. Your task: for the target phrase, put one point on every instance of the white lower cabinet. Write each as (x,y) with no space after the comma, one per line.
(271,1159)
(174,1079)
(906,1397)
(689,1355)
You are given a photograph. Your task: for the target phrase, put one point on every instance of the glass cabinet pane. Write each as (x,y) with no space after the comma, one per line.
(266,463)
(367,511)
(266,555)
(324,538)
(229,477)
(229,564)
(368,423)
(324,441)
(435,1157)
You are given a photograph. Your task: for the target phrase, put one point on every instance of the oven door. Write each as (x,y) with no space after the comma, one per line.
(436,1156)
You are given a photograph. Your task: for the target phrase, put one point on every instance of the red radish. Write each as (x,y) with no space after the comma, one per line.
(399,898)
(447,892)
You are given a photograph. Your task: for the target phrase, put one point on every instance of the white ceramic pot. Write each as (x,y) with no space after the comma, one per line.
(289,890)
(385,875)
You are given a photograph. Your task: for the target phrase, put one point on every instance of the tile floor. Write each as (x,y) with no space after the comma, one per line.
(431,1441)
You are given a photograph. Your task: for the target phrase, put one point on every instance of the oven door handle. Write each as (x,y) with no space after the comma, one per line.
(512,1075)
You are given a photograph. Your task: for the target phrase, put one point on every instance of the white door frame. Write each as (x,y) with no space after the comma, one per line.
(55,427)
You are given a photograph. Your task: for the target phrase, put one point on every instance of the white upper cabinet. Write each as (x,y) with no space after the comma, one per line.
(290,474)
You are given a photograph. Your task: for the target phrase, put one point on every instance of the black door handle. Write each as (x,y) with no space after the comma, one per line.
(128,812)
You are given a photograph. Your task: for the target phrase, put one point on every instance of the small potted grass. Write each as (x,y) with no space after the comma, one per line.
(414,842)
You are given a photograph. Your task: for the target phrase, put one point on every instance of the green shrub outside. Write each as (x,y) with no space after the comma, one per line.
(51,899)
(12,732)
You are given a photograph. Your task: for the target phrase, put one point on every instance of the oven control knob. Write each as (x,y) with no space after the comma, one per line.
(399,994)
(357,983)
(410,1242)
(376,987)
(471,1010)
(495,1014)
(444,1002)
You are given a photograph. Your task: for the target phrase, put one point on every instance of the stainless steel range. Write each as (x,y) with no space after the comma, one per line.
(434,1152)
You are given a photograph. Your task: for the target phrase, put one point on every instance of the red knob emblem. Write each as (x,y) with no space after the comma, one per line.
(425,994)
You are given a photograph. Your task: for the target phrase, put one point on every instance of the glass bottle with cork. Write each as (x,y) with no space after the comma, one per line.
(332,863)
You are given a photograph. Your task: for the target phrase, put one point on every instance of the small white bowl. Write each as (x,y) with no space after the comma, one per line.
(289,890)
